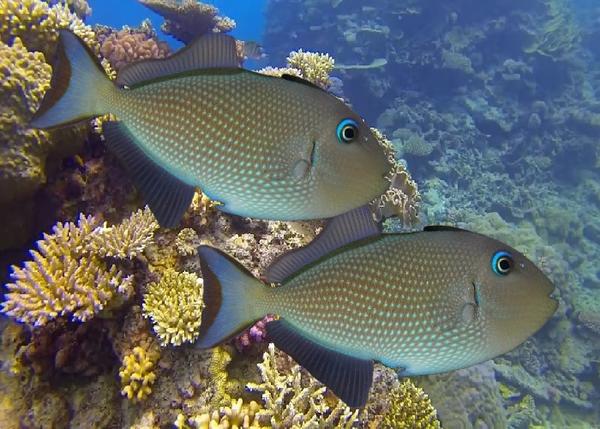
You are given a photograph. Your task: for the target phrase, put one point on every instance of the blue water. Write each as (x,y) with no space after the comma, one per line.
(248,15)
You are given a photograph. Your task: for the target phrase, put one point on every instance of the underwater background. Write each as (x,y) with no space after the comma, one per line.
(494,109)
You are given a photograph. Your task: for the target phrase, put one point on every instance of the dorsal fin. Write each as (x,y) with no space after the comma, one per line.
(297,79)
(209,51)
(352,226)
(430,228)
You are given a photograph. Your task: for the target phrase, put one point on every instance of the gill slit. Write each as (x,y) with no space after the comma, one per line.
(476,295)
(313,153)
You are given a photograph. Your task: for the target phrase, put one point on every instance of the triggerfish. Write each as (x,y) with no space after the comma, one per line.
(262,146)
(422,302)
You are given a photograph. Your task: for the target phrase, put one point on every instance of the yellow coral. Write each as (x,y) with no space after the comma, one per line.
(137,373)
(237,415)
(24,78)
(127,239)
(174,305)
(314,67)
(187,242)
(293,399)
(410,409)
(37,24)
(63,278)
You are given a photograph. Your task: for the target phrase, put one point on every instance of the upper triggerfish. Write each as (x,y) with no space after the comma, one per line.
(422,302)
(263,146)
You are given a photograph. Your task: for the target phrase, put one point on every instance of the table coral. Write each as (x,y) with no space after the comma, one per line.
(174,304)
(411,408)
(188,19)
(137,373)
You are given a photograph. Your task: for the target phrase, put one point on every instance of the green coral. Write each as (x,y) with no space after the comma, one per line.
(174,305)
(410,409)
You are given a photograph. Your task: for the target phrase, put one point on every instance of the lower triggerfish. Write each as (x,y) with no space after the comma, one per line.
(262,146)
(422,302)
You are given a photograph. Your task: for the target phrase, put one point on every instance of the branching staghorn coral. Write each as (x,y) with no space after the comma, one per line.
(68,274)
(127,239)
(410,409)
(293,399)
(174,305)
(188,19)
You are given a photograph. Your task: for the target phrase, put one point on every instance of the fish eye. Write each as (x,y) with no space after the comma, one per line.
(502,262)
(347,130)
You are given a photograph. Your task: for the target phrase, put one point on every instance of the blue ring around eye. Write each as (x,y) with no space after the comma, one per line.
(340,128)
(497,256)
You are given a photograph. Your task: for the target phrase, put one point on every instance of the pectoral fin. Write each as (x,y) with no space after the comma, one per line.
(348,377)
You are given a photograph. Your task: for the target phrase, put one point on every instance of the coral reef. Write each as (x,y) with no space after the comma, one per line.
(69,273)
(25,78)
(313,66)
(129,45)
(410,408)
(174,305)
(137,373)
(188,19)
(293,399)
(65,277)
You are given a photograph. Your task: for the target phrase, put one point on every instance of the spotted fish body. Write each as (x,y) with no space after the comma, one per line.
(424,302)
(262,146)
(254,156)
(409,301)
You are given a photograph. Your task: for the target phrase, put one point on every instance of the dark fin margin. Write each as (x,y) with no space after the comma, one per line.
(348,377)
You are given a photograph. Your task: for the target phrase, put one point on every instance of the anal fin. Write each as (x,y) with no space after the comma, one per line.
(348,377)
(167,196)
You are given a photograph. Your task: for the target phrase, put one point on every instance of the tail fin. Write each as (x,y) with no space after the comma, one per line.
(232,296)
(79,87)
